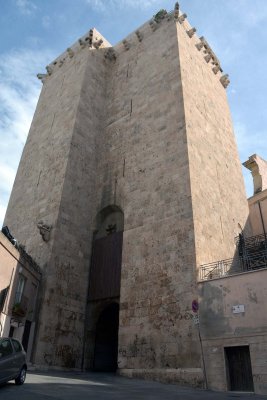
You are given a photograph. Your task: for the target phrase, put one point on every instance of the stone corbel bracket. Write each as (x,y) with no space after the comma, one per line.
(42,77)
(225,80)
(70,52)
(88,40)
(61,62)
(90,37)
(153,25)
(182,18)
(126,44)
(49,69)
(176,10)
(139,36)
(110,54)
(82,43)
(191,32)
(98,43)
(44,230)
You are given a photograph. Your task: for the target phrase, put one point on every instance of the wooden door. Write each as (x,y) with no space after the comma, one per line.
(239,369)
(105,273)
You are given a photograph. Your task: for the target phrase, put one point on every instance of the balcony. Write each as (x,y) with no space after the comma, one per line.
(251,255)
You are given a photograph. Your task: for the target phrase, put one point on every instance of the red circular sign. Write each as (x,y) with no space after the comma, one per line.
(195,306)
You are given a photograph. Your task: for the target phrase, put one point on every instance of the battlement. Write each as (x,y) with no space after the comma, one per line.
(93,40)
(177,16)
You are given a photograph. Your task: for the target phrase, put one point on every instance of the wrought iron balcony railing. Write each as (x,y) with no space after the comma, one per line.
(252,241)
(233,266)
(251,254)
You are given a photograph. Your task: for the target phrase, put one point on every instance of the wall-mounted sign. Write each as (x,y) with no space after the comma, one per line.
(240,308)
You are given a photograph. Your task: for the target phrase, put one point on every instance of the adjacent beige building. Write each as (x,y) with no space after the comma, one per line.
(233,297)
(258,202)
(129,181)
(19,284)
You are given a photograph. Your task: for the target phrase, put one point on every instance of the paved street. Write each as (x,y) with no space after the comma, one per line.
(81,386)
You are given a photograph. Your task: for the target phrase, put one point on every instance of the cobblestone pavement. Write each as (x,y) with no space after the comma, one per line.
(96,386)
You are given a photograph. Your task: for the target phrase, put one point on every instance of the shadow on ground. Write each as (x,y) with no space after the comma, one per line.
(97,386)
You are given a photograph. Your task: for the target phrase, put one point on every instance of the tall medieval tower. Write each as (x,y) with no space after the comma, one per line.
(129,181)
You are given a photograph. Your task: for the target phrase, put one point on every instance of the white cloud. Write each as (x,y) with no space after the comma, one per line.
(46,21)
(7,176)
(104,4)
(252,16)
(26,7)
(250,142)
(2,213)
(19,91)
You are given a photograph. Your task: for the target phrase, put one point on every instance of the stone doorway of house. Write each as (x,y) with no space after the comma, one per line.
(106,340)
(238,368)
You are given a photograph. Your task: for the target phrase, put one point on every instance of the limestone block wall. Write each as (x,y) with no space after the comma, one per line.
(143,168)
(54,184)
(221,327)
(68,282)
(218,194)
(132,126)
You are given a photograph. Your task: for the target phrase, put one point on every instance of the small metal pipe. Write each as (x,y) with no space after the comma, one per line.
(262,221)
(7,294)
(202,354)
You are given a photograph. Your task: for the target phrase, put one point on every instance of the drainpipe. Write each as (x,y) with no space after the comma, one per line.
(263,227)
(5,310)
(262,221)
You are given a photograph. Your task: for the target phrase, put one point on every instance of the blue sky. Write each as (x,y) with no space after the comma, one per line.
(34,32)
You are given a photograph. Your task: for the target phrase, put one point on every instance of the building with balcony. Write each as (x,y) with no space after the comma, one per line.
(233,298)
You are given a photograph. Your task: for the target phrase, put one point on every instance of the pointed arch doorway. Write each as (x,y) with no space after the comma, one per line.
(104,287)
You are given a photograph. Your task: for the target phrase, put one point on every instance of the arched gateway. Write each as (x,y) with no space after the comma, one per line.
(104,289)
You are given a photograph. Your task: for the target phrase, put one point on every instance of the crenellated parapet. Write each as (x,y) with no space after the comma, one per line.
(93,40)
(177,16)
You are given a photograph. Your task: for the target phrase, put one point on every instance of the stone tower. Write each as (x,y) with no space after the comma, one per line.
(135,138)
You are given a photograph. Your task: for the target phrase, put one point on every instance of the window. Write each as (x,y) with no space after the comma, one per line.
(20,288)
(5,348)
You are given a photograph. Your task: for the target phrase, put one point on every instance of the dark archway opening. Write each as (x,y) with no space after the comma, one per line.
(106,340)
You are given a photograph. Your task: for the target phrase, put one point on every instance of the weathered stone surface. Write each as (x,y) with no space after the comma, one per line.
(221,327)
(150,133)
